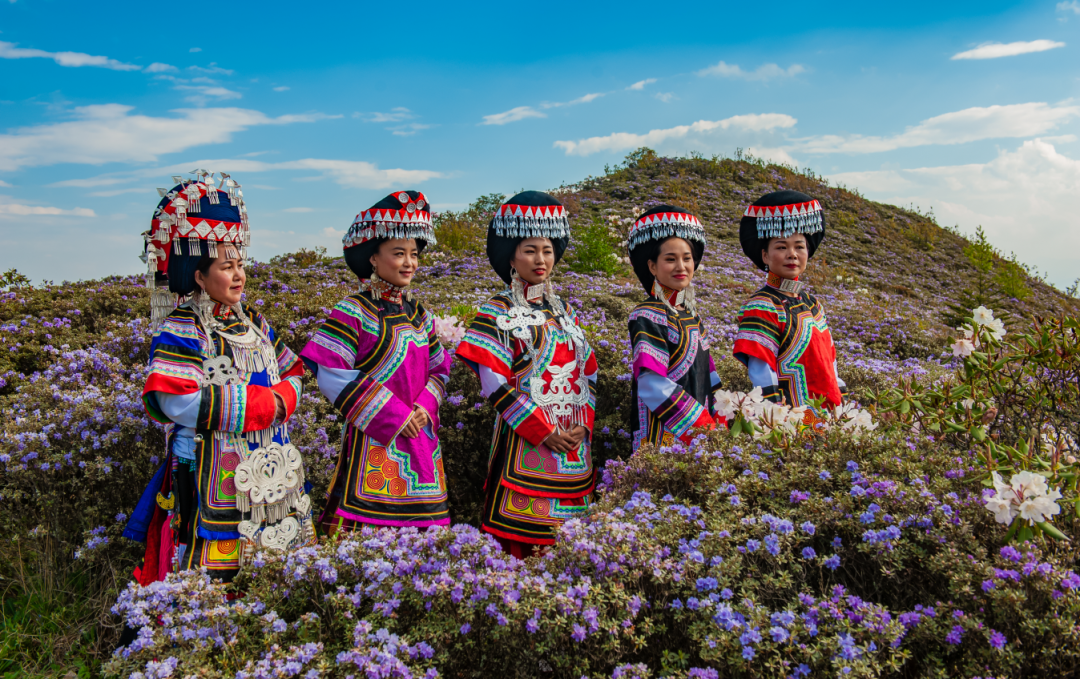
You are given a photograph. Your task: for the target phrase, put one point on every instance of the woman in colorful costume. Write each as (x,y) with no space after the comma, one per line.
(674,376)
(224,386)
(784,338)
(536,368)
(378,360)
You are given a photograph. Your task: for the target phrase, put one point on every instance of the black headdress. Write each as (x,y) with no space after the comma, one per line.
(778,215)
(402,214)
(654,227)
(529,214)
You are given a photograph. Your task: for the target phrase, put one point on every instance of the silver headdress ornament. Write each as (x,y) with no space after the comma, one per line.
(781,221)
(178,216)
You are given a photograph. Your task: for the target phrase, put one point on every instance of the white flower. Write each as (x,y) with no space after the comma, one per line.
(982,315)
(963,348)
(449,329)
(968,403)
(726,404)
(859,422)
(1026,483)
(996,328)
(1026,495)
(1002,509)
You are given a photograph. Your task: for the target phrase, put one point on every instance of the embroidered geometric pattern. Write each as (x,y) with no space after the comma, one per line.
(791,335)
(542,481)
(669,345)
(384,477)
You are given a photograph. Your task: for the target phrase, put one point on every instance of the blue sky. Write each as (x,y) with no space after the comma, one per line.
(969,108)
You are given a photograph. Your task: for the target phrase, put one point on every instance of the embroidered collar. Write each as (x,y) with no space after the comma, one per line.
(534,293)
(223,311)
(788,285)
(381,289)
(671,298)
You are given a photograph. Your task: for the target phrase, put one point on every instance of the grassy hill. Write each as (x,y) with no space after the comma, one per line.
(76,449)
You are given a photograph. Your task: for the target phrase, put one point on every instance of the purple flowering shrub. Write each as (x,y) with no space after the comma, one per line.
(76,451)
(880,565)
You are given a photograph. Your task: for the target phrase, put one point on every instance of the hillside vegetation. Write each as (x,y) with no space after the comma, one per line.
(76,450)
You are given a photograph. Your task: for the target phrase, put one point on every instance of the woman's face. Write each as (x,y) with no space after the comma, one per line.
(397,261)
(786,257)
(534,259)
(223,281)
(674,266)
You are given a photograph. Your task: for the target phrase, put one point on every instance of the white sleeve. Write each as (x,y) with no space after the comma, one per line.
(653,389)
(183,409)
(490,381)
(839,382)
(333,380)
(761,373)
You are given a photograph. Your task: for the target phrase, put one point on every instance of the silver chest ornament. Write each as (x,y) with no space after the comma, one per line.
(560,399)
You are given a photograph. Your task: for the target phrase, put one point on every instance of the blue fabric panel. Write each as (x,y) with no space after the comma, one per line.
(143,514)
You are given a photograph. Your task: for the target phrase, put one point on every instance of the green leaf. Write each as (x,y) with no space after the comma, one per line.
(1051,531)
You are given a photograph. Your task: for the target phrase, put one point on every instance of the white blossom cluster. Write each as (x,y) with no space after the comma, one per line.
(984,320)
(1026,495)
(768,417)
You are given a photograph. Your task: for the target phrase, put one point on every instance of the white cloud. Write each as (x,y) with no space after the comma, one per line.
(1025,199)
(640,85)
(107,133)
(580,100)
(409,129)
(958,127)
(213,68)
(4,183)
(775,155)
(665,96)
(995,50)
(8,208)
(395,115)
(763,72)
(619,141)
(281,88)
(1073,6)
(350,173)
(200,95)
(119,192)
(299,209)
(158,67)
(513,115)
(195,49)
(8,50)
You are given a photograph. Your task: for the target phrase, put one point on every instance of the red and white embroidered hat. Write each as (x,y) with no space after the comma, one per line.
(202,212)
(402,214)
(664,221)
(781,214)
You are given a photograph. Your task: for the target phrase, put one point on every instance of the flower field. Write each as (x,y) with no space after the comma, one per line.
(930,530)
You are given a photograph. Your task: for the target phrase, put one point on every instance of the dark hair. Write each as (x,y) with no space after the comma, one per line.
(182,268)
(205,262)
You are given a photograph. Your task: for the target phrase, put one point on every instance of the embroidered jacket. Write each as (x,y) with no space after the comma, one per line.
(376,360)
(218,406)
(674,376)
(786,344)
(538,371)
